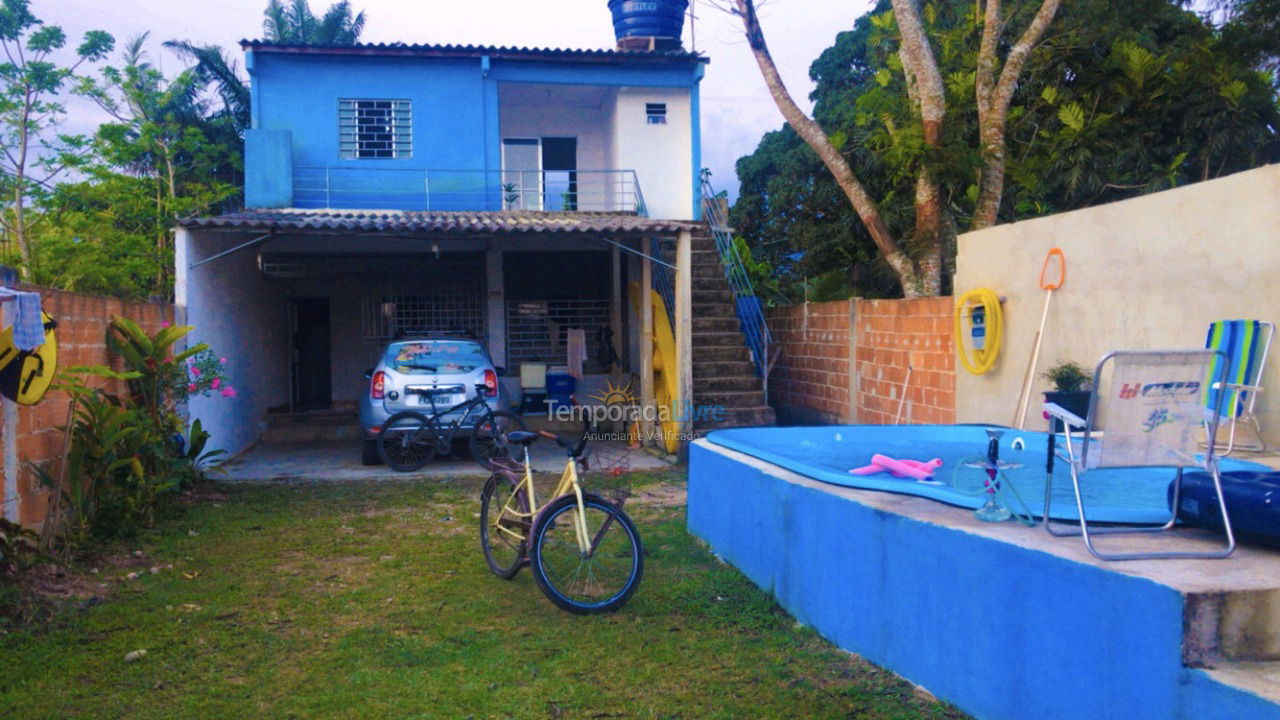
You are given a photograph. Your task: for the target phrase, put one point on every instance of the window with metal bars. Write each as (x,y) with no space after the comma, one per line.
(446,297)
(375,129)
(537,330)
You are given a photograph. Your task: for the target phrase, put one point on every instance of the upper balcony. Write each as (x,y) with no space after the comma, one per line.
(473,129)
(427,190)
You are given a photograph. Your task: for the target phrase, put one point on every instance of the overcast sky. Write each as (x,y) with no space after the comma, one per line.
(736,108)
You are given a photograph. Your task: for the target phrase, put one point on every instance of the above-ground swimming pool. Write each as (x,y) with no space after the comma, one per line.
(827,453)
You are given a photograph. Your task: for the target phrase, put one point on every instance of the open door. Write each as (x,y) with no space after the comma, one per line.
(540,174)
(310,354)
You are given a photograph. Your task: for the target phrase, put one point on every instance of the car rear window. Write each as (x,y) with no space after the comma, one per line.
(435,357)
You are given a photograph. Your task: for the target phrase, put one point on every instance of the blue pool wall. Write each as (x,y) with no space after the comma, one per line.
(998,630)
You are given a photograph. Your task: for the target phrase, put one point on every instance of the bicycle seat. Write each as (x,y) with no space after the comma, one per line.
(521,437)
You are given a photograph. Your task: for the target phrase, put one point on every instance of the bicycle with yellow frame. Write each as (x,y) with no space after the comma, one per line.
(584,551)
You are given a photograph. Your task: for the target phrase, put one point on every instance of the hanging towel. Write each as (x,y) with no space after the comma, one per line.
(28,329)
(576,340)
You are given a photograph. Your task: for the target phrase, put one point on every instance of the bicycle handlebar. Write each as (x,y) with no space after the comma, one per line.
(574,451)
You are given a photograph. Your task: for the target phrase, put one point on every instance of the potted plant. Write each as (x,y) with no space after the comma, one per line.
(1072,387)
(510,195)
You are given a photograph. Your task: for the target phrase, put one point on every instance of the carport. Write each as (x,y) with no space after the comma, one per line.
(301,301)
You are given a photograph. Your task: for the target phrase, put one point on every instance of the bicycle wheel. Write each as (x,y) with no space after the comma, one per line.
(407,441)
(502,531)
(489,436)
(586,583)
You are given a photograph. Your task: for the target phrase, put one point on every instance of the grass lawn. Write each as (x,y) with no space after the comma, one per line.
(373,600)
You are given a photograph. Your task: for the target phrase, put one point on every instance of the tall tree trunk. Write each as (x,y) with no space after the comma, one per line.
(816,138)
(928,99)
(20,188)
(994,97)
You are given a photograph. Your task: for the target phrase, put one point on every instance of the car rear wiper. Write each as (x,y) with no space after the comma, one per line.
(415,366)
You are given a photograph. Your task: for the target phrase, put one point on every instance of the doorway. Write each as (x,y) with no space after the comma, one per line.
(540,174)
(310,354)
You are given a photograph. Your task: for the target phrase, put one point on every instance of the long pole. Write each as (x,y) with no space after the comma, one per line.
(1024,396)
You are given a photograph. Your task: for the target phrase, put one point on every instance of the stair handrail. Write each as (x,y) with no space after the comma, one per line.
(750,314)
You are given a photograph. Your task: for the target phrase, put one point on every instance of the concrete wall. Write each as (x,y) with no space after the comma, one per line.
(455,119)
(1001,628)
(846,361)
(587,125)
(1151,272)
(241,316)
(82,331)
(300,93)
(660,154)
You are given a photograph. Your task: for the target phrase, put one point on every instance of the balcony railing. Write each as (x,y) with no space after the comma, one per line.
(467,190)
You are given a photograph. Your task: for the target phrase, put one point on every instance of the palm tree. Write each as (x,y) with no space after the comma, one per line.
(212,68)
(296,24)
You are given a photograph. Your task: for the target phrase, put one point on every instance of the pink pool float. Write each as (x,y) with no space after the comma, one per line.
(920,470)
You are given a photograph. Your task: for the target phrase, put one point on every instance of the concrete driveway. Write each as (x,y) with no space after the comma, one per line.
(340,460)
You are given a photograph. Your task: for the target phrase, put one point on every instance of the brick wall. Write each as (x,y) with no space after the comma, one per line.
(892,334)
(810,380)
(82,327)
(815,380)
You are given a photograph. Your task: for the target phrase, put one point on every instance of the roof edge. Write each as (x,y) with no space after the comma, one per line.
(476,51)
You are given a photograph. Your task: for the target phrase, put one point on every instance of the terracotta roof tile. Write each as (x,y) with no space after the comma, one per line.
(462,223)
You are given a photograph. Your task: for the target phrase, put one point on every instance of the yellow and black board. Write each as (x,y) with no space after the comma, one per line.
(25,376)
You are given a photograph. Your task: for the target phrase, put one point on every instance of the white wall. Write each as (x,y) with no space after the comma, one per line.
(242,317)
(661,155)
(585,123)
(1146,273)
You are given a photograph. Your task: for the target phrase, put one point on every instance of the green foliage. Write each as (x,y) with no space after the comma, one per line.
(294,23)
(32,152)
(168,153)
(761,273)
(1120,99)
(126,456)
(1068,376)
(19,546)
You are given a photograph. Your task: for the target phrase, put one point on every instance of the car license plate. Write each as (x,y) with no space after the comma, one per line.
(443,402)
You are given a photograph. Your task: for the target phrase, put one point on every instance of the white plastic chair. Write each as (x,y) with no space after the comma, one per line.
(1149,409)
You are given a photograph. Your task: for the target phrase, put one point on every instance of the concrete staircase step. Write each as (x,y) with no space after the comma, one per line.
(723,368)
(714,324)
(717,353)
(713,295)
(714,310)
(739,417)
(726,383)
(730,398)
(312,430)
(719,339)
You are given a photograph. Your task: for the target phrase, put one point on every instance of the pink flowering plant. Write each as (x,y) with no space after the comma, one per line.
(205,376)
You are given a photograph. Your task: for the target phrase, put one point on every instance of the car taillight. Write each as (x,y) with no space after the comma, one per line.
(378,386)
(490,383)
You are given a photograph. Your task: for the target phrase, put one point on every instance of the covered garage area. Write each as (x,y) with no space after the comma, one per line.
(302,301)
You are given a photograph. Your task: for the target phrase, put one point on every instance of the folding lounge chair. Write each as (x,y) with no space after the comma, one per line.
(1245,344)
(1149,409)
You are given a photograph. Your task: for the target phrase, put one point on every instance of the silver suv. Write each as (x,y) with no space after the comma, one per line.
(414,371)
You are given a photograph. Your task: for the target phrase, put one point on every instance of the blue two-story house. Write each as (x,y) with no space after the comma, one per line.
(508,193)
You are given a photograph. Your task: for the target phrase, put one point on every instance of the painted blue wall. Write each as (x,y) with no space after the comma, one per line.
(268,171)
(455,125)
(1001,631)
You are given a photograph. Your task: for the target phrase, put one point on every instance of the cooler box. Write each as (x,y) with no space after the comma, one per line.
(560,384)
